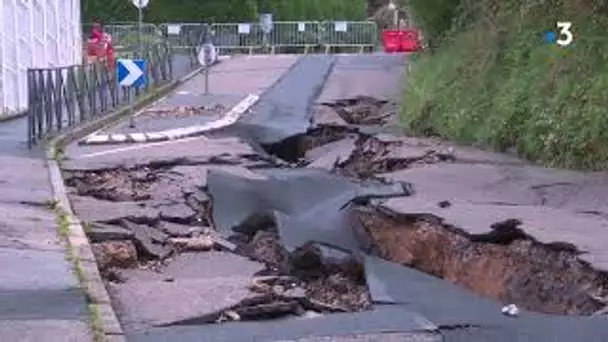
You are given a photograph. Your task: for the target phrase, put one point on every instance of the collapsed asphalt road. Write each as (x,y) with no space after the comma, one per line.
(306,216)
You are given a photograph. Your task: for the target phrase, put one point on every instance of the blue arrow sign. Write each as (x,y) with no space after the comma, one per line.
(131,72)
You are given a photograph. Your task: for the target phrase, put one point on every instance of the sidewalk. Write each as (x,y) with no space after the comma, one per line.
(40,299)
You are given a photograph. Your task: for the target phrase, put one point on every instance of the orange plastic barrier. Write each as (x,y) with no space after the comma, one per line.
(401,40)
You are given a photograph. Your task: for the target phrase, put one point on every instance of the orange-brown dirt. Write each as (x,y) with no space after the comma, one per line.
(524,272)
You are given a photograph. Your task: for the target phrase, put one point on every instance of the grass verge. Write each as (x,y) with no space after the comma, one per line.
(497,83)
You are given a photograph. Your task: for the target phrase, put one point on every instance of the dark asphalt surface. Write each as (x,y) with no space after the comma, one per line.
(459,314)
(284,110)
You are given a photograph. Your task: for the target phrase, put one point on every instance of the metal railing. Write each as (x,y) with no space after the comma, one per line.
(125,36)
(184,35)
(309,36)
(285,36)
(60,98)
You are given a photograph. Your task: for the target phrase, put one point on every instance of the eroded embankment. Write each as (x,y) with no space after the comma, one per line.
(508,265)
(174,215)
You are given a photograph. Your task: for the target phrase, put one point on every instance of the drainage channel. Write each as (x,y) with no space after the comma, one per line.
(317,278)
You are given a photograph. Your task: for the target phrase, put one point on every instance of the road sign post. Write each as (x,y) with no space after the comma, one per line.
(266,24)
(131,74)
(206,57)
(140,5)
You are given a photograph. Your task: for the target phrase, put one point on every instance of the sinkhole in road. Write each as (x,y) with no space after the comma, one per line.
(506,265)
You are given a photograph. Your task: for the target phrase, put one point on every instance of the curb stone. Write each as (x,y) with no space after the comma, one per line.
(227,119)
(76,236)
(83,254)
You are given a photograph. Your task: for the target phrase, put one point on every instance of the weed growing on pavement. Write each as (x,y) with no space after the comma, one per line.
(59,153)
(494,81)
(96,324)
(63,228)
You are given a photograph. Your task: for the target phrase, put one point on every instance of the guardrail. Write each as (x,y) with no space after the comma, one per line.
(60,98)
(285,36)
(184,35)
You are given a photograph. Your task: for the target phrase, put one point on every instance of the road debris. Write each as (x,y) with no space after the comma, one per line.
(510,310)
(176,216)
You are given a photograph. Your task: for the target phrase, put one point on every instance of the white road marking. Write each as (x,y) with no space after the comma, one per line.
(138,137)
(174,134)
(136,147)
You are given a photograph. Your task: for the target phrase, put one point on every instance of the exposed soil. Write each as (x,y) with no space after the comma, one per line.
(326,285)
(364,110)
(507,265)
(372,157)
(293,149)
(184,112)
(114,185)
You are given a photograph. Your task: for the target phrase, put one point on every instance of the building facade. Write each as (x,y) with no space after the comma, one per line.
(35,34)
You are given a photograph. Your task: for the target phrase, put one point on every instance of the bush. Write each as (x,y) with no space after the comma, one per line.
(494,81)
(161,11)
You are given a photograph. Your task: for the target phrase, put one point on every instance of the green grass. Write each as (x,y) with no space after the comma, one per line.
(500,85)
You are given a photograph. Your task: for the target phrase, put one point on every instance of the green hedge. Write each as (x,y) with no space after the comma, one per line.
(494,81)
(224,10)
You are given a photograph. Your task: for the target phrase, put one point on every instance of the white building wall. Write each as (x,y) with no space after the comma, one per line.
(38,34)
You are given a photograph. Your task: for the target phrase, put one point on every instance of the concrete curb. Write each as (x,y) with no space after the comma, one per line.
(14,116)
(83,253)
(76,236)
(227,119)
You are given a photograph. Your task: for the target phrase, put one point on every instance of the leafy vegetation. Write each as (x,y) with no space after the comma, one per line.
(493,80)
(224,10)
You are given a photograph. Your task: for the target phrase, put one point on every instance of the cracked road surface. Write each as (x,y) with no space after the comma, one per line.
(310,211)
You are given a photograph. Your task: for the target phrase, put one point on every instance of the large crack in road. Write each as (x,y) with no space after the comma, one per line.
(335,228)
(177,214)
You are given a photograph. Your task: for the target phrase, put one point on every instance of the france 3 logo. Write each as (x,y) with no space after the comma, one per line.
(563,37)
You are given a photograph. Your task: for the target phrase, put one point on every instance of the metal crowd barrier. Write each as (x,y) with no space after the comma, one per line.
(60,98)
(184,35)
(285,36)
(125,36)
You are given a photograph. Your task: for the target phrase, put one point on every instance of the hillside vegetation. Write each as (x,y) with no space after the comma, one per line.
(490,78)
(224,10)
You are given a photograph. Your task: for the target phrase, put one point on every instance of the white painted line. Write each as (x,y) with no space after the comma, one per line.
(118,137)
(229,118)
(96,139)
(141,146)
(138,137)
(156,136)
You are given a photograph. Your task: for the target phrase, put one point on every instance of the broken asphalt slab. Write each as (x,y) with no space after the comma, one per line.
(317,205)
